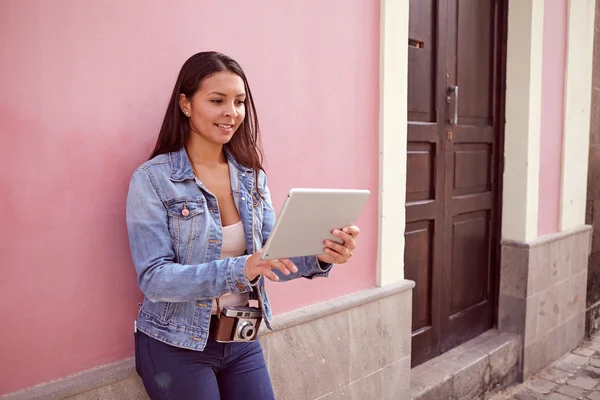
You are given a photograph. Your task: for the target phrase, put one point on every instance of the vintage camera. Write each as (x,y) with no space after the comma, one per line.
(236,324)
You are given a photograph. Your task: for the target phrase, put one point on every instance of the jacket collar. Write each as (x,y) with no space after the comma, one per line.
(181,168)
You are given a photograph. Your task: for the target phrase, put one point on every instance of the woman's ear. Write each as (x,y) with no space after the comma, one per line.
(184,104)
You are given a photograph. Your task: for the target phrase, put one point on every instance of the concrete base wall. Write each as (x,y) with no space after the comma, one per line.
(355,347)
(473,370)
(542,295)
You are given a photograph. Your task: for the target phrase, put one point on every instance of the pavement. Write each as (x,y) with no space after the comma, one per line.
(574,376)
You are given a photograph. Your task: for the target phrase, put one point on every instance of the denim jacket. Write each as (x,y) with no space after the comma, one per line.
(177,253)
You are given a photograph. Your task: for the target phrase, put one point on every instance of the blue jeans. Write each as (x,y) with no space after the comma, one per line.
(224,371)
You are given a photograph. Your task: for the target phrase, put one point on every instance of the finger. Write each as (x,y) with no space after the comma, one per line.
(348,239)
(289,265)
(337,251)
(335,256)
(267,273)
(278,264)
(327,259)
(342,250)
(353,230)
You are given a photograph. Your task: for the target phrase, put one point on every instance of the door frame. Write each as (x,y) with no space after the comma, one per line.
(394,18)
(500,62)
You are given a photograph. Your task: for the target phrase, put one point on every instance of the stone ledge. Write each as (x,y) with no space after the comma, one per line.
(84,381)
(86,384)
(549,238)
(485,364)
(330,307)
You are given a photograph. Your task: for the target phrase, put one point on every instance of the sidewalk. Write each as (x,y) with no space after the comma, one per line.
(574,376)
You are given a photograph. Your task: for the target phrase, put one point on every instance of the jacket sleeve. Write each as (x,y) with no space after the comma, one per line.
(159,277)
(308,267)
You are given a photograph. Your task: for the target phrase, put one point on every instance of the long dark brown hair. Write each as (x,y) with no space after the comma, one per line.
(245,145)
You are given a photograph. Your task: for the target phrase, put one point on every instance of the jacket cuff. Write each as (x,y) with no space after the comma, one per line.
(324,267)
(317,268)
(236,279)
(255,281)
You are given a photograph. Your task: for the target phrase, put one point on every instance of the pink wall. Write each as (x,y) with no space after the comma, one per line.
(83,89)
(553,90)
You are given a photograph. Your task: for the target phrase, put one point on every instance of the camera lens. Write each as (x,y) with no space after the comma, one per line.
(246,330)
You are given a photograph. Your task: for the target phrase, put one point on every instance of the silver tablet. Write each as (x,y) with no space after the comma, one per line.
(307,218)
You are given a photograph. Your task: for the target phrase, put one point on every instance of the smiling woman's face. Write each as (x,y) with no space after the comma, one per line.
(217,109)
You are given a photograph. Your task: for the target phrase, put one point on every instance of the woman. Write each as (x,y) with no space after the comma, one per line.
(198,213)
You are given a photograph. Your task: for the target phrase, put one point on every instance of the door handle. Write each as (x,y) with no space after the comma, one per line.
(453,90)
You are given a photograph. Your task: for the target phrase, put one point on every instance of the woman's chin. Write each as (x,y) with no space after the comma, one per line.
(222,139)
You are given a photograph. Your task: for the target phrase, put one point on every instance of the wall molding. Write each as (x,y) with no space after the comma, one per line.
(393,99)
(578,98)
(520,197)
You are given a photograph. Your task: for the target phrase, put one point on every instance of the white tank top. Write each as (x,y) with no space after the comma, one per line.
(234,245)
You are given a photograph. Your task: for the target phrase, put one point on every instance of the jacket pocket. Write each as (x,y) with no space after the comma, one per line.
(186,218)
(169,312)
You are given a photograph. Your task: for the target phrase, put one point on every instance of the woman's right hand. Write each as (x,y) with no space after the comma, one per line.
(255,267)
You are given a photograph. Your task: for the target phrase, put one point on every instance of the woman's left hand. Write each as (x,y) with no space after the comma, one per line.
(340,253)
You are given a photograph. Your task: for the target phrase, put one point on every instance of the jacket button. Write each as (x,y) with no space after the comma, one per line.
(243,199)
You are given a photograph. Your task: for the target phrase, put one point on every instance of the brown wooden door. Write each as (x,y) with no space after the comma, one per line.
(452,170)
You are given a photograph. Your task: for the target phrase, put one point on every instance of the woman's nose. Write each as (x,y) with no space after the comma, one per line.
(230,110)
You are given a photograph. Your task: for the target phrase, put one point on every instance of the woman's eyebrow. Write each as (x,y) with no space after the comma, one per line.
(224,95)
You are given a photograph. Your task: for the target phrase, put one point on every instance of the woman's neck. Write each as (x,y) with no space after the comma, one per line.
(205,153)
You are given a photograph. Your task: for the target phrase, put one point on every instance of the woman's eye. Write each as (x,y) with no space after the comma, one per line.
(240,102)
(217,101)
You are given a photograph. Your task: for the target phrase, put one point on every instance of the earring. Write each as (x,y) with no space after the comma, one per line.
(187,113)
